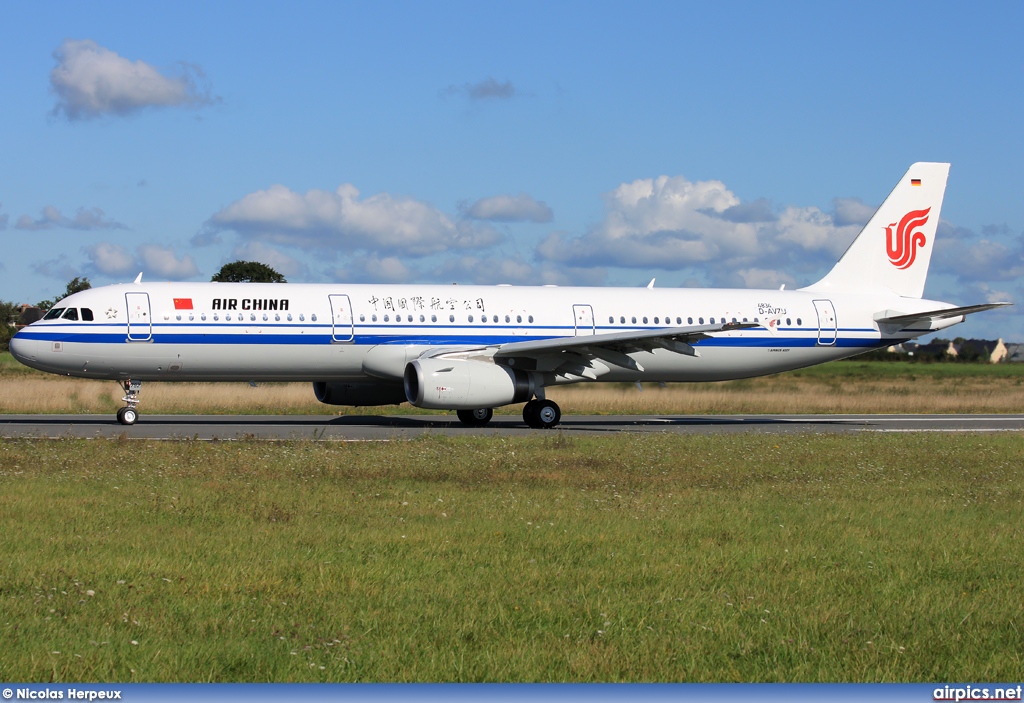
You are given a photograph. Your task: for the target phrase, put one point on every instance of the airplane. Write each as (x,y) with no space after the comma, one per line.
(474,348)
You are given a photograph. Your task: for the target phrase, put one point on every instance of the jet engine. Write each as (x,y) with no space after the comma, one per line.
(358,394)
(464,384)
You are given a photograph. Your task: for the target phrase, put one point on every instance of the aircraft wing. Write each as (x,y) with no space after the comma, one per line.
(583,355)
(892,317)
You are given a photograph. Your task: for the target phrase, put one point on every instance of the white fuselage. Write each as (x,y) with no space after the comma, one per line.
(367,333)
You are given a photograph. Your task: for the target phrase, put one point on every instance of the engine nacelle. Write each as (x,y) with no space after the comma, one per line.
(464,384)
(358,394)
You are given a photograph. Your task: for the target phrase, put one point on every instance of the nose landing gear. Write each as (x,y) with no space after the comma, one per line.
(128,415)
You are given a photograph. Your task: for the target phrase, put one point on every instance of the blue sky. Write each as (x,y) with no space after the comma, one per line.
(736,144)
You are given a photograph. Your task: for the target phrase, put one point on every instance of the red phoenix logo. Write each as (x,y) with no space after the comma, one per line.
(902,244)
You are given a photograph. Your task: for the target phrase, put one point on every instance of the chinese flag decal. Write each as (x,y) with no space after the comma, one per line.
(183,303)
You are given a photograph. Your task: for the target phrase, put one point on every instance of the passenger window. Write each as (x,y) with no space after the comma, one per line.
(634,320)
(387,319)
(191,317)
(228,317)
(798,320)
(362,318)
(433,318)
(277,318)
(508,319)
(645,320)
(422,318)
(373,318)
(530,319)
(312,318)
(689,320)
(289,317)
(203,317)
(711,321)
(519,318)
(700,320)
(451,318)
(54,314)
(265,317)
(622,320)
(87,314)
(655,320)
(302,317)
(70,314)
(178,317)
(789,323)
(470,318)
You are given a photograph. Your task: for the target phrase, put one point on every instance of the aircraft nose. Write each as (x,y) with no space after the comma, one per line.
(24,350)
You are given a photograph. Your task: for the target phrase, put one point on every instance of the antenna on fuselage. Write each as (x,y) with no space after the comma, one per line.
(138,279)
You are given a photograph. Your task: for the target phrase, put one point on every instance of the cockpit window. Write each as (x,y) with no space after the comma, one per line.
(87,314)
(70,314)
(54,314)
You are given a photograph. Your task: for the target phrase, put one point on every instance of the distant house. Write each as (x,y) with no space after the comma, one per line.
(1014,352)
(29,314)
(936,351)
(985,350)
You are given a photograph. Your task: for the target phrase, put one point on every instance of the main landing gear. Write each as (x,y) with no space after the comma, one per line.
(128,415)
(539,413)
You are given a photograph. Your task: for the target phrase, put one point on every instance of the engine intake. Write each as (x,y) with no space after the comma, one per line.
(461,384)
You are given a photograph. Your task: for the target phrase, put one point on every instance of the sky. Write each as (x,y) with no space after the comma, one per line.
(732,144)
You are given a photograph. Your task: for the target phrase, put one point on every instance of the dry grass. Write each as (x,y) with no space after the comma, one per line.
(785,394)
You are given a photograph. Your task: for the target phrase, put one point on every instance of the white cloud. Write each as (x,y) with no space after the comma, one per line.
(343,222)
(59,267)
(162,262)
(513,270)
(115,261)
(371,269)
(86,219)
(111,259)
(487,89)
(510,208)
(852,211)
(91,81)
(286,265)
(675,224)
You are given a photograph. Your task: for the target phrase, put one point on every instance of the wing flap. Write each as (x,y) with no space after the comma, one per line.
(892,317)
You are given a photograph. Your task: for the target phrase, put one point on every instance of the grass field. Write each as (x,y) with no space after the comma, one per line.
(653,558)
(838,387)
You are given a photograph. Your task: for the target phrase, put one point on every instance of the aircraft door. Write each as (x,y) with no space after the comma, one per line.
(584,319)
(140,320)
(827,327)
(342,320)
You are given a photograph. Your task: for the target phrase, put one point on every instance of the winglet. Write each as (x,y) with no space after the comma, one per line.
(651,284)
(138,279)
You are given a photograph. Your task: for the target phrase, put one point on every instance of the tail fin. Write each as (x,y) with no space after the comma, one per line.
(894,249)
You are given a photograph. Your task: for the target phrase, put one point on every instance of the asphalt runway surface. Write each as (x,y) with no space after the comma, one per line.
(386,427)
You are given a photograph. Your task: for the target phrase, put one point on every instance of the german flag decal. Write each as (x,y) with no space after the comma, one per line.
(183,303)
(915,181)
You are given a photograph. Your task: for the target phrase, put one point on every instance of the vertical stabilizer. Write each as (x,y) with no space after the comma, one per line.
(894,249)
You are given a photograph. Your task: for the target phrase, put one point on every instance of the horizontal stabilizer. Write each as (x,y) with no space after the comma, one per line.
(892,317)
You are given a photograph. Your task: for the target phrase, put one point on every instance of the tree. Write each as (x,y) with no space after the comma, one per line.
(8,316)
(247,272)
(75,285)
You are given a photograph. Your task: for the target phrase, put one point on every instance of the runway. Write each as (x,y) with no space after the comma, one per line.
(394,427)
